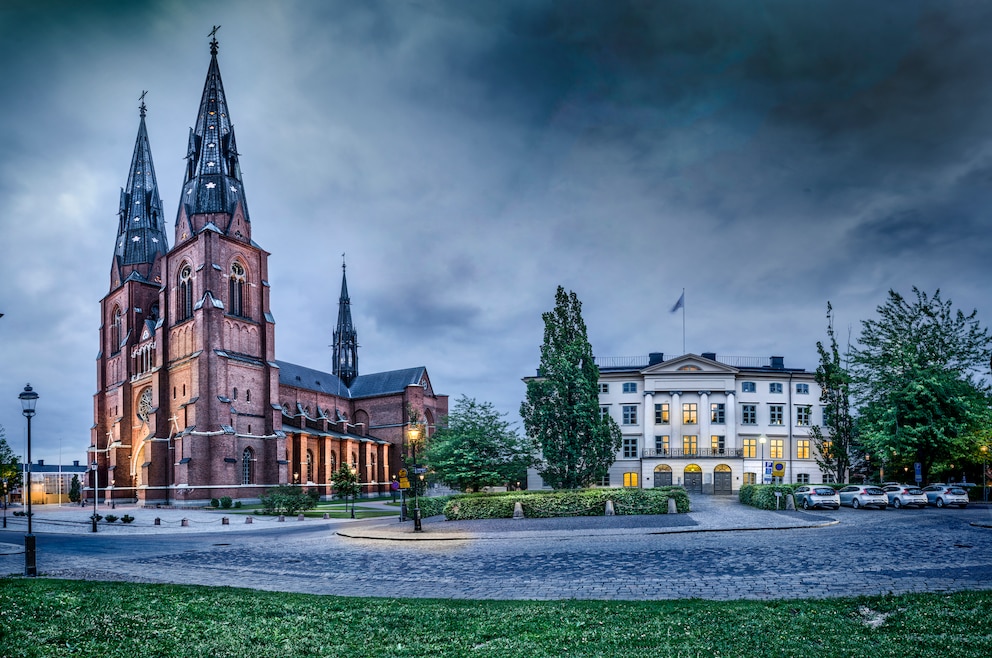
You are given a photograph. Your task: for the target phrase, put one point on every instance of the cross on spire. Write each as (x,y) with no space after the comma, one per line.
(142,109)
(213,39)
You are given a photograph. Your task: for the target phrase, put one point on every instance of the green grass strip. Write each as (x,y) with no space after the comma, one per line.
(44,617)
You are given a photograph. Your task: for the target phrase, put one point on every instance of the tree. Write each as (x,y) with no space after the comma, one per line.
(75,490)
(9,473)
(915,377)
(561,412)
(834,451)
(345,483)
(476,448)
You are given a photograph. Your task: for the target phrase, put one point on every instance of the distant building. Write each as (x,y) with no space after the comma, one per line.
(191,402)
(709,423)
(50,483)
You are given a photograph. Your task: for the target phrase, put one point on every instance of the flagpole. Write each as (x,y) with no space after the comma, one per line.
(683,321)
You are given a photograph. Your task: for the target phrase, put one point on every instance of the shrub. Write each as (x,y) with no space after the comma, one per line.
(237,504)
(429,505)
(127,518)
(225,502)
(214,503)
(763,496)
(96,517)
(110,518)
(580,502)
(285,499)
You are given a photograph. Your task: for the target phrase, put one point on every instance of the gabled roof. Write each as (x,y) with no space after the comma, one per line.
(364,386)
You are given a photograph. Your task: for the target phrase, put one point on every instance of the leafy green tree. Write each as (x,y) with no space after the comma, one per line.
(476,447)
(834,450)
(561,411)
(285,499)
(345,483)
(9,474)
(75,490)
(915,377)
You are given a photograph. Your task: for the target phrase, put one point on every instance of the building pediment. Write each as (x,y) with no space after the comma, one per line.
(689,363)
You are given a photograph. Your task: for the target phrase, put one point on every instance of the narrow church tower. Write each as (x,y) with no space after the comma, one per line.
(222,376)
(345,337)
(129,360)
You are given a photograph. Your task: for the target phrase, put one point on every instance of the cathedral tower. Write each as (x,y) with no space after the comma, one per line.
(345,337)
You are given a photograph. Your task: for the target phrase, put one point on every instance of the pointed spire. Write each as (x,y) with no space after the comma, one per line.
(345,337)
(141,238)
(212,183)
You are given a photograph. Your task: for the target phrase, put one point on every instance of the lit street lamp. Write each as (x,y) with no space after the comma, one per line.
(28,401)
(96,490)
(985,474)
(413,436)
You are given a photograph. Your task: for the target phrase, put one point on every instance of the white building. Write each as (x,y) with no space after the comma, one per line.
(707,422)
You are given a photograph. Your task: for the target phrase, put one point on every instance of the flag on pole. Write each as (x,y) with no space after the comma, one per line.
(679,304)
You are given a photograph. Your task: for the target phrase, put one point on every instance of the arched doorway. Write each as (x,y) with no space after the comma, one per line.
(662,475)
(723,480)
(693,478)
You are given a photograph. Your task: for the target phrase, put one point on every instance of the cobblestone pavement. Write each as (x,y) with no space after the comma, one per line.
(708,554)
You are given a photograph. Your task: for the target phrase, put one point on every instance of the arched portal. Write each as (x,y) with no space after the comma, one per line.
(662,475)
(723,480)
(693,478)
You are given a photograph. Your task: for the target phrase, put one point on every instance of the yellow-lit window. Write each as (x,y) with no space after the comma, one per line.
(750,478)
(750,448)
(661,414)
(802,449)
(826,448)
(689,413)
(777,449)
(689,444)
(630,479)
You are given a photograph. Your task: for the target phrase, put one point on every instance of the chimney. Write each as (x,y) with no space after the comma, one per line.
(778,363)
(75,462)
(41,462)
(654,358)
(709,355)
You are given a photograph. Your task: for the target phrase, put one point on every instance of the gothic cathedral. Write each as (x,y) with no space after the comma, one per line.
(191,403)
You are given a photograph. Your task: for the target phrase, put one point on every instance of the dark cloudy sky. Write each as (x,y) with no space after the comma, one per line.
(471,156)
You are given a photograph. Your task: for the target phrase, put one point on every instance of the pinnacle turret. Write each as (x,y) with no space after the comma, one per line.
(212,183)
(141,239)
(345,337)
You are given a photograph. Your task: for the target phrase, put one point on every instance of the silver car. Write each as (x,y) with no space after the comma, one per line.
(905,495)
(863,495)
(942,495)
(812,496)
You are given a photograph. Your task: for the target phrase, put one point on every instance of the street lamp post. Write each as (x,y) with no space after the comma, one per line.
(413,435)
(985,475)
(762,440)
(28,401)
(96,490)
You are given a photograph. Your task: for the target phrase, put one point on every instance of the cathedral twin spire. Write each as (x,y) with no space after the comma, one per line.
(345,348)
(141,239)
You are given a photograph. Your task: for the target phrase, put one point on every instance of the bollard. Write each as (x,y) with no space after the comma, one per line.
(247,519)
(281,518)
(225,521)
(790,502)
(518,510)
(326,516)
(609,508)
(300,517)
(673,508)
(158,521)
(185,523)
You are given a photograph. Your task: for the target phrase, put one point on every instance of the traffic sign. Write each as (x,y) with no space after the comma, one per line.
(402,472)
(919,472)
(404,483)
(420,469)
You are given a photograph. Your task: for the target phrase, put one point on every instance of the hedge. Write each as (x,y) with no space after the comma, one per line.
(550,504)
(762,496)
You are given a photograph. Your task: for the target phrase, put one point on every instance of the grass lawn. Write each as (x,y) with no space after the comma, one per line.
(43,617)
(335,510)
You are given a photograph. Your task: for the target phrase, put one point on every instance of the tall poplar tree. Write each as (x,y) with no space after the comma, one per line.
(834,450)
(561,413)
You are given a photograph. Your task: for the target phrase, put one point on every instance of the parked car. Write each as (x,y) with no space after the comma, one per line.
(863,495)
(942,495)
(905,495)
(813,496)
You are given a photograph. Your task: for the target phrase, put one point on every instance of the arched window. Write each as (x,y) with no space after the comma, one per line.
(248,395)
(334,461)
(184,303)
(235,392)
(309,466)
(115,331)
(236,290)
(248,466)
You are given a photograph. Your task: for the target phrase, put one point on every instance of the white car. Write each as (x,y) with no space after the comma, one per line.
(811,496)
(943,495)
(863,495)
(905,495)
